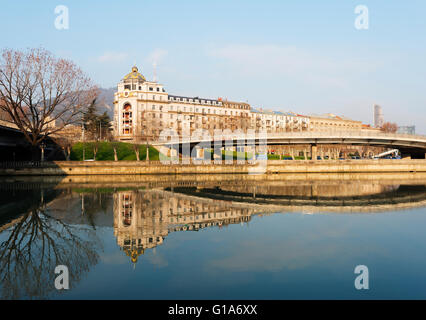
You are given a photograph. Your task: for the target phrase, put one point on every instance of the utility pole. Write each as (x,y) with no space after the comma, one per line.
(82,136)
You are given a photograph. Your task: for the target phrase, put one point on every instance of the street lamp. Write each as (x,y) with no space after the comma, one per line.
(42,146)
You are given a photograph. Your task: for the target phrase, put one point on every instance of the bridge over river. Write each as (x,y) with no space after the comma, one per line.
(15,147)
(409,145)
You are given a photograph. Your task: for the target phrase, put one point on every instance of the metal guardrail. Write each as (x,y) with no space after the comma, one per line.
(301,135)
(20,164)
(349,134)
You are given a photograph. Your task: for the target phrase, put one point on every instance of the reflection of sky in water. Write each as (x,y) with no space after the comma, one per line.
(276,256)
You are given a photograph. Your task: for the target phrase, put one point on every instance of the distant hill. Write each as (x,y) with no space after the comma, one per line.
(105,101)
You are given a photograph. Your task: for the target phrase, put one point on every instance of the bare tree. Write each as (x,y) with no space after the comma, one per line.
(136,148)
(65,145)
(389,127)
(95,149)
(41,93)
(115,146)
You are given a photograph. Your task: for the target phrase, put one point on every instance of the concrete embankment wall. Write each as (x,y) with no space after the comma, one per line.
(273,166)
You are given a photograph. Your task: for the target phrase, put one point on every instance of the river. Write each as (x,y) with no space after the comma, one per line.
(282,236)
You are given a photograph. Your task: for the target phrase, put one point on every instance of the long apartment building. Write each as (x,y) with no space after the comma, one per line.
(143,109)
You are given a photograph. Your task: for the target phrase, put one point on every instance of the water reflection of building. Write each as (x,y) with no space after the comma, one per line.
(142,219)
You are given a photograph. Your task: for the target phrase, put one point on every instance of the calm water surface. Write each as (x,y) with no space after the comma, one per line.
(215,237)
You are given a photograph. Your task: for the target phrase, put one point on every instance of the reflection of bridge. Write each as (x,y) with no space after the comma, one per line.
(395,198)
(414,145)
(144,218)
(146,212)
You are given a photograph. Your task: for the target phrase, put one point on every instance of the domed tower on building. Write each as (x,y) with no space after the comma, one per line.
(137,105)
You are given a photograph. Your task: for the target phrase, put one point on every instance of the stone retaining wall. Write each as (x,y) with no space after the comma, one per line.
(273,166)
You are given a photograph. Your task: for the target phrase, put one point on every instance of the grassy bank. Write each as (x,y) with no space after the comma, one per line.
(125,151)
(246,155)
(105,152)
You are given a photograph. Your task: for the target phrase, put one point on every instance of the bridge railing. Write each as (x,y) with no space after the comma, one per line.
(347,134)
(340,134)
(20,164)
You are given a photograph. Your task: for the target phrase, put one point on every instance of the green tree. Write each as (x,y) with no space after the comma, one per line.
(105,126)
(97,126)
(89,120)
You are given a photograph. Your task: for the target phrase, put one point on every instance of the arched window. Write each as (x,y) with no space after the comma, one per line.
(126,209)
(127,120)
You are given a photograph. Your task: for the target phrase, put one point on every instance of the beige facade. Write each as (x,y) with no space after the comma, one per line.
(327,122)
(143,109)
(271,121)
(71,132)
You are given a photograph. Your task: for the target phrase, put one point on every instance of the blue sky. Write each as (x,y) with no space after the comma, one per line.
(305,56)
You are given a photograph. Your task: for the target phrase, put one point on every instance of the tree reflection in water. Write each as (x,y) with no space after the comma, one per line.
(38,242)
(58,225)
